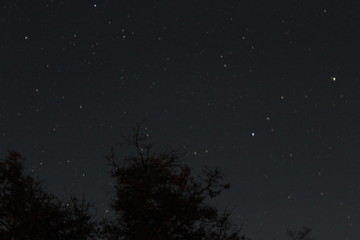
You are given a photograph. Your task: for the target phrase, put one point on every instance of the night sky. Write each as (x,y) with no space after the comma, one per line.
(268,91)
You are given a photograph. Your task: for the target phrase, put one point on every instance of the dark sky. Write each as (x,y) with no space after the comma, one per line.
(268,91)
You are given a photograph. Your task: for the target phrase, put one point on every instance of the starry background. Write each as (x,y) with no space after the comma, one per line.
(266,91)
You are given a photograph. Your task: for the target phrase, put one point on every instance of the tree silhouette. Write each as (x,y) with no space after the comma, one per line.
(301,235)
(157,198)
(29,213)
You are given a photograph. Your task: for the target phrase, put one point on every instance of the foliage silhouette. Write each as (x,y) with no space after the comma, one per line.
(157,198)
(29,213)
(301,235)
